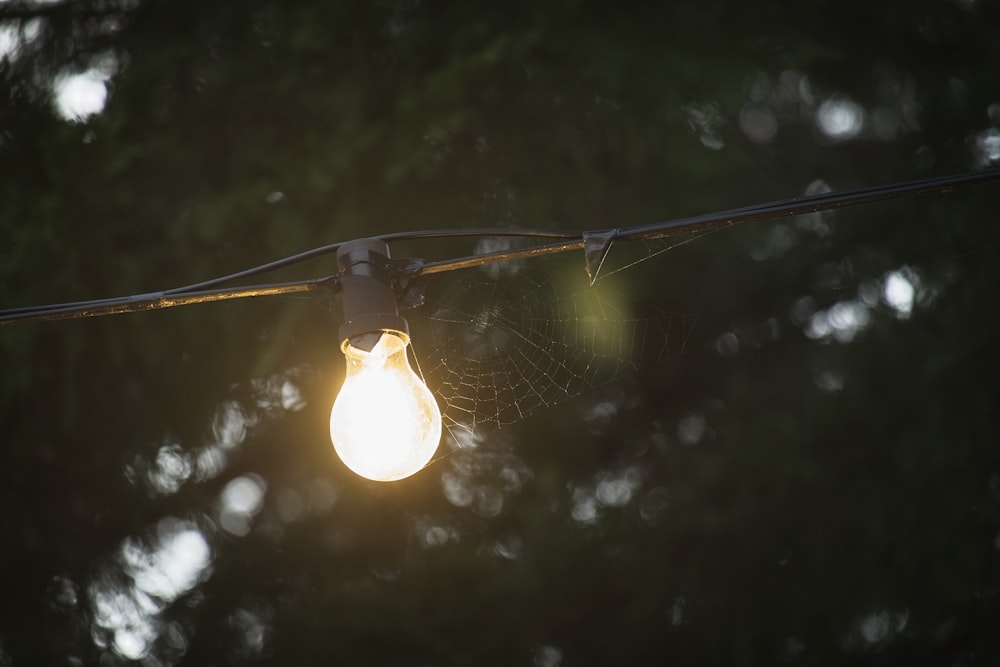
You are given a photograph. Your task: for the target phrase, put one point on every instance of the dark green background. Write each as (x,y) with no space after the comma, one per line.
(808,524)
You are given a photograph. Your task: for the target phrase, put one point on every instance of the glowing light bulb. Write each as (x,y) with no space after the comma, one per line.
(385,424)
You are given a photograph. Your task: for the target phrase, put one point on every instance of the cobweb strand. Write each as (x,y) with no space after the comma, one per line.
(501,347)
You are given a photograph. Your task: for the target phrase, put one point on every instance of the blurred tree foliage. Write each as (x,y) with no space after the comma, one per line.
(815,481)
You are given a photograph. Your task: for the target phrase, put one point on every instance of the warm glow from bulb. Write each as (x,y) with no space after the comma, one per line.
(385,423)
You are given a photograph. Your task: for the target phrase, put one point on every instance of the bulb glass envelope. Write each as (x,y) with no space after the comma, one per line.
(385,423)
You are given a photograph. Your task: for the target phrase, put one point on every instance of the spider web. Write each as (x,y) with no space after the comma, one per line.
(606,257)
(506,341)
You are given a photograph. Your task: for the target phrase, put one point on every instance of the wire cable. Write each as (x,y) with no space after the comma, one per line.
(156,301)
(211,290)
(397,236)
(756,213)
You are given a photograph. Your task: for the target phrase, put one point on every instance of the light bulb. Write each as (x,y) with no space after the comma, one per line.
(385,424)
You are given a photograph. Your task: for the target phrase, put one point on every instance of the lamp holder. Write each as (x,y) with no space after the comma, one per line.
(366,292)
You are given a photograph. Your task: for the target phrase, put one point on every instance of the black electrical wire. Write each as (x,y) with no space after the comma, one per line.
(559,242)
(720,220)
(156,301)
(397,236)
(811,204)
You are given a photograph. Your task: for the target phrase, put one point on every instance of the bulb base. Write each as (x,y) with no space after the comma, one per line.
(366,291)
